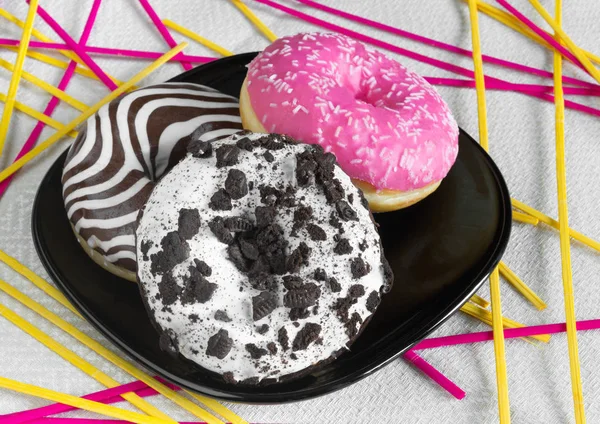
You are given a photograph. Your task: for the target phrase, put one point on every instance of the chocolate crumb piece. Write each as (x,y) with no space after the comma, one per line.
(219,344)
(269,156)
(363,245)
(203,268)
(263,304)
(356,290)
(236,256)
(262,329)
(342,307)
(236,184)
(228,377)
(352,326)
(189,223)
(294,261)
(305,251)
(237,224)
(200,149)
(298,313)
(259,267)
(217,226)
(272,142)
(248,249)
(305,168)
(264,282)
(220,201)
(320,274)
(315,310)
(359,268)
(334,191)
(246,144)
(197,288)
(227,155)
(293,356)
(167,344)
(345,211)
(145,247)
(174,251)
(283,338)
(265,215)
(270,239)
(308,334)
(343,247)
(373,301)
(303,214)
(351,198)
(193,317)
(292,282)
(272,347)
(255,351)
(334,285)
(221,315)
(296,324)
(316,233)
(302,297)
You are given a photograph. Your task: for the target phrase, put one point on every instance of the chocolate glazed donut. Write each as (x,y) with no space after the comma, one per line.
(124,149)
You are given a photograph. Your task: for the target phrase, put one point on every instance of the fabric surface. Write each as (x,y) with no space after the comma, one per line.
(522,143)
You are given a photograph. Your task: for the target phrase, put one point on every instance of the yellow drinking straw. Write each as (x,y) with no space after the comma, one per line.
(563,219)
(520,286)
(254,19)
(554,224)
(11,96)
(525,218)
(501,378)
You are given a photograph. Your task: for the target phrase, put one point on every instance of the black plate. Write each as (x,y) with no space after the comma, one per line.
(441,250)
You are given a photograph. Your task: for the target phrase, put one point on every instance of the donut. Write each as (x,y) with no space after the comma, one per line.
(123,150)
(266,267)
(388,128)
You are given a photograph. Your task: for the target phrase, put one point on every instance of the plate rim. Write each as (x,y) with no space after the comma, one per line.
(383,356)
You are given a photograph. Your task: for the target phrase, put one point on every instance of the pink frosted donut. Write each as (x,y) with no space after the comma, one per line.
(386,125)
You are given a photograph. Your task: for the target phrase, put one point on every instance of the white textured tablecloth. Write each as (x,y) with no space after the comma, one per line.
(522,143)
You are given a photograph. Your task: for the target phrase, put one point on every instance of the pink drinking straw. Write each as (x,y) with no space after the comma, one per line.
(135,54)
(107,396)
(54,101)
(434,374)
(550,40)
(75,47)
(511,333)
(162,29)
(523,88)
(440,44)
(416,56)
